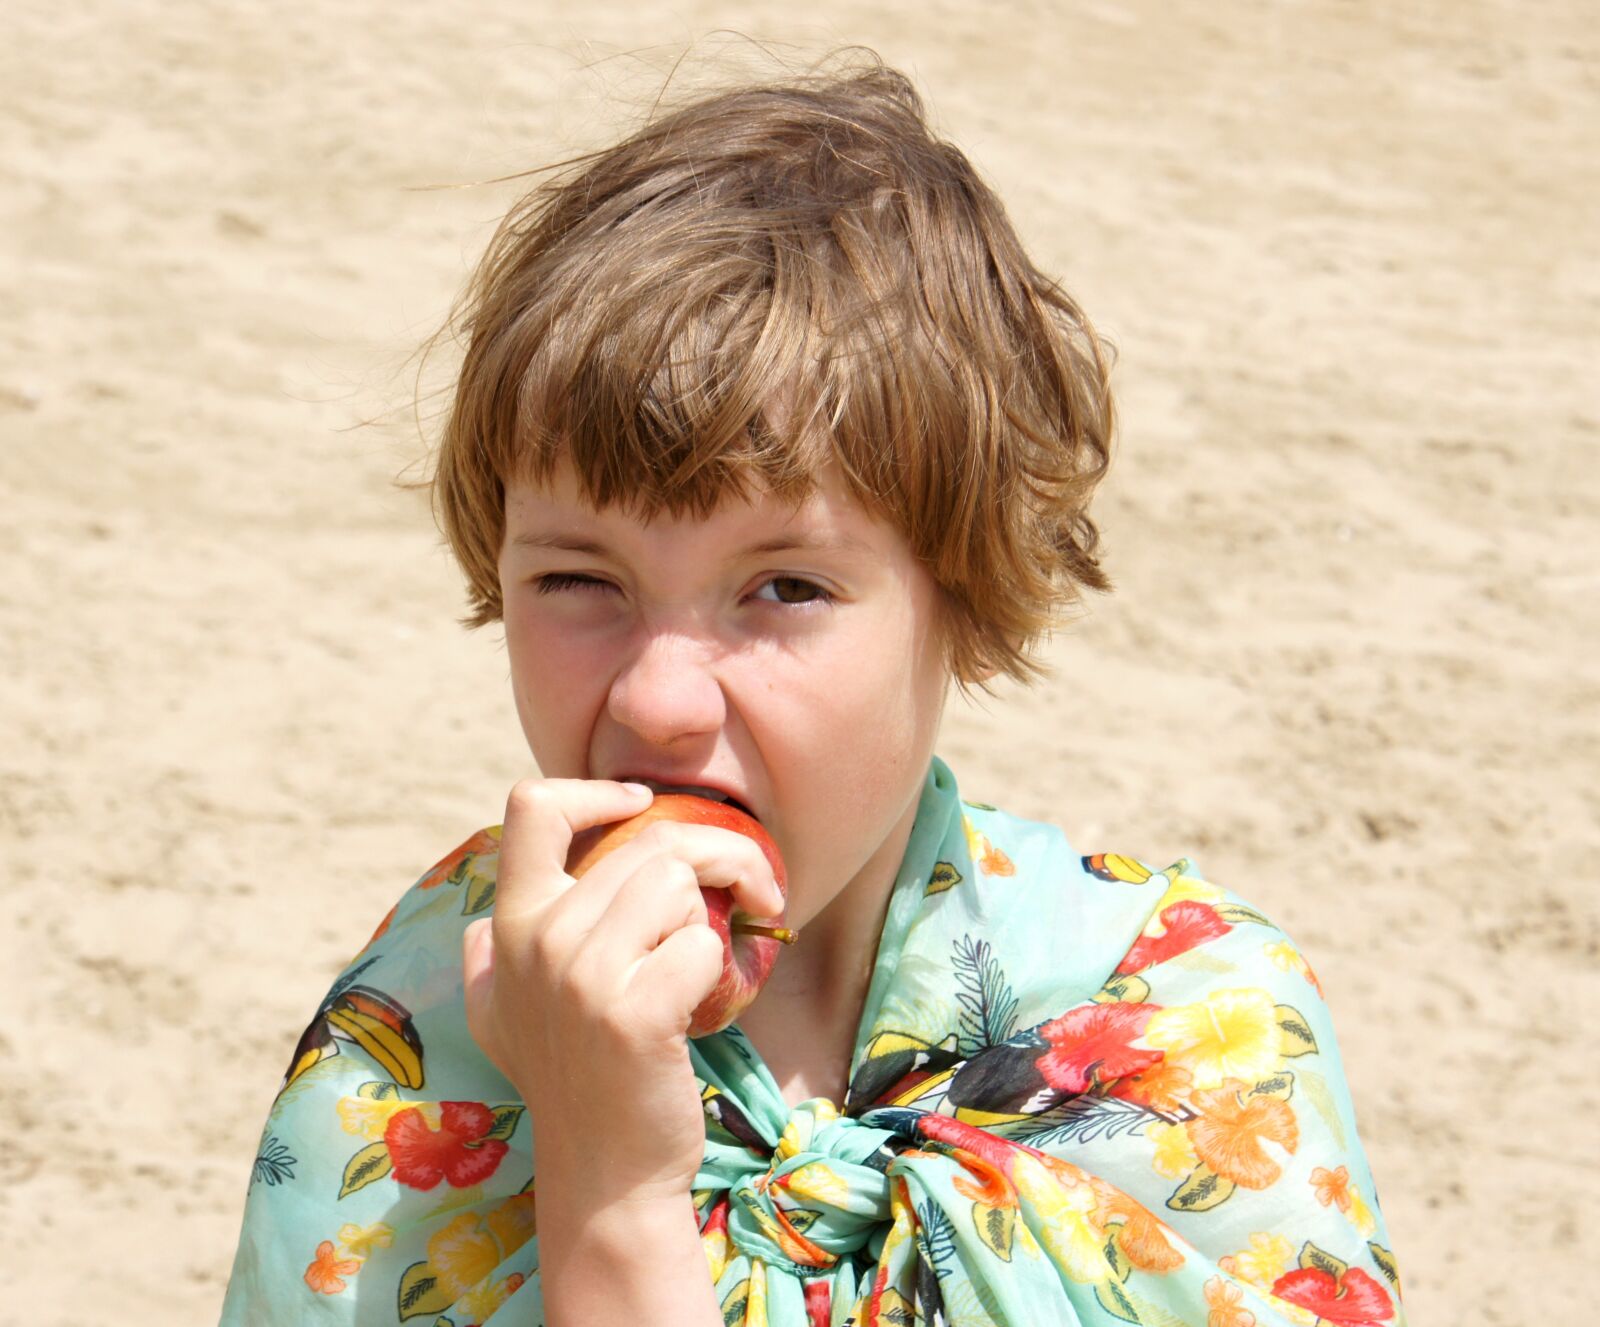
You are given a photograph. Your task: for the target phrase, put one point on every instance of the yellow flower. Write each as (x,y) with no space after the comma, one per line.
(367,1118)
(360,1241)
(462,1254)
(490,1297)
(1361,1215)
(514,1222)
(1289,959)
(716,1245)
(1285,957)
(1268,1257)
(1174,1152)
(755,1308)
(1189,887)
(1231,1034)
(1063,1209)
(820,1182)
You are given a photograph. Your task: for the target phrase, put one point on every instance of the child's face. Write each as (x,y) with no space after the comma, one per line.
(685,655)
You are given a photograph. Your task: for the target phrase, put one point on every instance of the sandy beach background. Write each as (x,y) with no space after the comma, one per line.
(1348,253)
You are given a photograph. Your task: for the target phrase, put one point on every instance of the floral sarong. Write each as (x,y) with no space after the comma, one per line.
(1082,1092)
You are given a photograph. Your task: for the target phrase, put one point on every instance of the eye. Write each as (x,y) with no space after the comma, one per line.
(557,581)
(792,585)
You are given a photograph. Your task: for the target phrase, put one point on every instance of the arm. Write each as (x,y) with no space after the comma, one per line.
(623,1264)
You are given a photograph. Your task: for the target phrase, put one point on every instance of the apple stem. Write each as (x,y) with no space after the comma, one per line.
(780,933)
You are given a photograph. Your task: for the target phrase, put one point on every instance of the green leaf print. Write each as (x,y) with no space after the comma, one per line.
(1114,1300)
(1297,1038)
(1203,1190)
(1124,989)
(420,1292)
(367,1166)
(480,895)
(1385,1261)
(988,1008)
(505,1122)
(733,1306)
(1320,1260)
(996,1226)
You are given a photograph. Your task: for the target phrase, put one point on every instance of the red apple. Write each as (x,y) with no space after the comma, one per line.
(746,960)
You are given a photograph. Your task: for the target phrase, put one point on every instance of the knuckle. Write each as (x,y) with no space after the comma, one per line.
(528,795)
(663,835)
(664,868)
(707,947)
(547,949)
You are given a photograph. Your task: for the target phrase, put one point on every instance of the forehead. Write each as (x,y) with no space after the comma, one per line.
(557,513)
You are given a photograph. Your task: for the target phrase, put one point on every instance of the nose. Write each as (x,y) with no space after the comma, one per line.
(668,689)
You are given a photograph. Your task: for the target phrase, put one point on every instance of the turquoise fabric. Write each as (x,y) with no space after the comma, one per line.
(1082,1092)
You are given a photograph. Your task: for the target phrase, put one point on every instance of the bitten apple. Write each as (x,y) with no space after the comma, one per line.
(749,948)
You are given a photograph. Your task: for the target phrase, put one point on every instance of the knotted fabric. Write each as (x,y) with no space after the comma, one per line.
(1082,1092)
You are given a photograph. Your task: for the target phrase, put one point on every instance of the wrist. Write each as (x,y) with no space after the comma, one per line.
(622,1261)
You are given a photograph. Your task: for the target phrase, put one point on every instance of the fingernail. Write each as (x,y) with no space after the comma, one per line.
(637,788)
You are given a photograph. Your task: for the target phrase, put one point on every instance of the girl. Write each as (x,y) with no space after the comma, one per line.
(767,431)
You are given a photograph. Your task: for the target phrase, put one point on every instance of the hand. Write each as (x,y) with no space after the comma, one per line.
(580,992)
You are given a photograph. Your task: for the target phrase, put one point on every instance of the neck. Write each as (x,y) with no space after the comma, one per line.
(812,1003)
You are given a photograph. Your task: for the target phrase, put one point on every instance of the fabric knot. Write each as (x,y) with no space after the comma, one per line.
(821,1194)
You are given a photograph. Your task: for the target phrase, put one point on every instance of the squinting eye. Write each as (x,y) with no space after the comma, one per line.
(814,593)
(565,580)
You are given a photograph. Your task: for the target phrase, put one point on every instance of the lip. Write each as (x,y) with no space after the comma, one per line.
(688,780)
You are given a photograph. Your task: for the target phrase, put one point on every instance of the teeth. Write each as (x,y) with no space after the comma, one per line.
(712,793)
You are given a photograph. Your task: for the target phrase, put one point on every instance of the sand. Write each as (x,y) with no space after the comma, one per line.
(1348,255)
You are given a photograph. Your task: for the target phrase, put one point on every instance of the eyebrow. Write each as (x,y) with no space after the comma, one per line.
(822,543)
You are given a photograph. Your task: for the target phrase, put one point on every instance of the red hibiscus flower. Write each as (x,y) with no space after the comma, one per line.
(1091,1044)
(1188,924)
(819,1303)
(1353,1300)
(457,1151)
(997,1151)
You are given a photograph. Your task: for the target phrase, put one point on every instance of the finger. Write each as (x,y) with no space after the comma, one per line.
(477,977)
(675,977)
(661,897)
(720,858)
(542,815)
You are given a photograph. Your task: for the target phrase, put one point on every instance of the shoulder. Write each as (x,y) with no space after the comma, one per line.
(1192,913)
(460,884)
(394,1018)
(1140,914)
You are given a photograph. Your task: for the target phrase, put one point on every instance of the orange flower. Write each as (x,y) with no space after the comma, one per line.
(1332,1186)
(993,1188)
(1162,1086)
(1228,1133)
(990,860)
(1226,1303)
(1142,1237)
(995,862)
(327,1271)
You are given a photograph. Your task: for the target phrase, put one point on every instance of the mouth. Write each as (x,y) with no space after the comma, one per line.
(693,790)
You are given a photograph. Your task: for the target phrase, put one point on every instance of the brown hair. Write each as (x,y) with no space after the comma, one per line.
(761,280)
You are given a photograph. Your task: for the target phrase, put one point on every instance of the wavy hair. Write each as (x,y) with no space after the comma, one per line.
(768,278)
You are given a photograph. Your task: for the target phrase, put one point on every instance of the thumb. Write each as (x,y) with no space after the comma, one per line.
(477,980)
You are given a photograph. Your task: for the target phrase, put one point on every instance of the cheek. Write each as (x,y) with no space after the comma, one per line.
(551,674)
